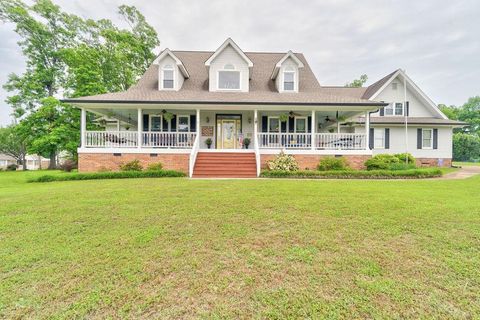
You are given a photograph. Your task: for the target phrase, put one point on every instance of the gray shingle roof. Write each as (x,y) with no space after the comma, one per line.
(374,87)
(262,88)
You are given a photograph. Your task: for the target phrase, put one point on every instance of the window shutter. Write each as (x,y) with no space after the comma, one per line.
(382,112)
(174,123)
(283,126)
(309,124)
(165,124)
(264,123)
(145,122)
(435,138)
(291,124)
(370,138)
(407,109)
(193,123)
(387,138)
(419,138)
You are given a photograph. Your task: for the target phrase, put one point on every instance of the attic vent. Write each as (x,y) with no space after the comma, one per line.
(394,86)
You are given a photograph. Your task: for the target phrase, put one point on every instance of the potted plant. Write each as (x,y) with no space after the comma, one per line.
(246,142)
(283,117)
(168,116)
(208,142)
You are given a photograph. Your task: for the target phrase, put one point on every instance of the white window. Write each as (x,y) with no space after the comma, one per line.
(394,85)
(300,124)
(183,124)
(167,77)
(156,123)
(394,109)
(229,78)
(379,138)
(273,124)
(289,79)
(427,138)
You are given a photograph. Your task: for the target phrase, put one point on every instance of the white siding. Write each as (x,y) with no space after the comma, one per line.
(229,56)
(417,108)
(177,75)
(397,142)
(279,80)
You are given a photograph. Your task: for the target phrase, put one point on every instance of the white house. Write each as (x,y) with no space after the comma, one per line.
(251,106)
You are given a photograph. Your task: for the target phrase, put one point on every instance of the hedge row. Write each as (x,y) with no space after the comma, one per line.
(356,174)
(109,175)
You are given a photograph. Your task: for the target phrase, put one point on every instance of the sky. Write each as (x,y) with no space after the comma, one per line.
(437,42)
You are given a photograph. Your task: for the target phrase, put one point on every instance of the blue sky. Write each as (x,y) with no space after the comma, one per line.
(435,41)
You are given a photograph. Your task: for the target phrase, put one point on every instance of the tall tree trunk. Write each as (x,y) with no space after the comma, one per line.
(52,164)
(24,162)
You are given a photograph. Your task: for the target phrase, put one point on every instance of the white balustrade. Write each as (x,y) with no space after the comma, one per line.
(341,141)
(168,139)
(284,140)
(111,139)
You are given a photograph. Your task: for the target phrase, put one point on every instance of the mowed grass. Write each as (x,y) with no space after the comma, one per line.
(457,163)
(239,249)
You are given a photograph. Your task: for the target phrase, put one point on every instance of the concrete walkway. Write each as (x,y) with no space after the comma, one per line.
(462,173)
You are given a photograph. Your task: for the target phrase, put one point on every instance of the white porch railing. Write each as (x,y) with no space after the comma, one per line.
(111,139)
(168,139)
(341,141)
(284,140)
(193,155)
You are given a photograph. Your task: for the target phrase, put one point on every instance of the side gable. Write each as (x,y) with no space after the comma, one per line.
(382,91)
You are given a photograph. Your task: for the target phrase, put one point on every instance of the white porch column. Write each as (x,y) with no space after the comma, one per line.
(255,127)
(139,128)
(367,130)
(313,125)
(83,127)
(197,120)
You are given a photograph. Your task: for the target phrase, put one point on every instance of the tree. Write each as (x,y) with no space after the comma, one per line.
(470,113)
(450,111)
(13,144)
(357,83)
(73,56)
(466,147)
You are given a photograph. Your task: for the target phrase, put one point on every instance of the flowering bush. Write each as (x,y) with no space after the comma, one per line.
(283,162)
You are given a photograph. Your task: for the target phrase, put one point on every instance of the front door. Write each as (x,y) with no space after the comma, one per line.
(228,131)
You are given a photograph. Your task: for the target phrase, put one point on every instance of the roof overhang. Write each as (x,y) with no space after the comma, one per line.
(178,62)
(290,55)
(229,42)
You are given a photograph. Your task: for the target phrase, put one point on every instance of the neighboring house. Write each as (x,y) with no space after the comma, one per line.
(6,160)
(36,162)
(186,98)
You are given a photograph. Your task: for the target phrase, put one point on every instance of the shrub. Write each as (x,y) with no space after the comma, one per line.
(466,147)
(356,174)
(283,162)
(331,163)
(11,167)
(155,166)
(381,162)
(68,165)
(109,175)
(133,165)
(401,166)
(403,156)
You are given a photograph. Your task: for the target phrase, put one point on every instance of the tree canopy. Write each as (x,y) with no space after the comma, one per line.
(357,83)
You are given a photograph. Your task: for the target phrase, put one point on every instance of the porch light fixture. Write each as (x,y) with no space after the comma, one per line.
(249,119)
(207,119)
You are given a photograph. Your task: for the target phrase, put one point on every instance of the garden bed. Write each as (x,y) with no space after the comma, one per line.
(108,175)
(420,173)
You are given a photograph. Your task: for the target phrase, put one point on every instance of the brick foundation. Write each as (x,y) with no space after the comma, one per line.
(310,161)
(91,162)
(433,162)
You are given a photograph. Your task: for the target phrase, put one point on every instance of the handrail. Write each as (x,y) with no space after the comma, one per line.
(341,141)
(193,155)
(111,139)
(257,154)
(168,139)
(288,140)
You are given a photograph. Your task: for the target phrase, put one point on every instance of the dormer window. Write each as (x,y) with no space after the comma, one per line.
(167,76)
(289,79)
(229,78)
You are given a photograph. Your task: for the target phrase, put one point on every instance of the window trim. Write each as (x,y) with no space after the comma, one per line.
(229,70)
(392,106)
(168,68)
(150,116)
(178,122)
(383,138)
(294,80)
(279,124)
(431,138)
(295,124)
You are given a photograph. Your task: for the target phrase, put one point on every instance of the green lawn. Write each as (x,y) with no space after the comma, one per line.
(179,248)
(457,163)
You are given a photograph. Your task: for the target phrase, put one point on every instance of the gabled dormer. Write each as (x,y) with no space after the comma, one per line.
(171,71)
(229,69)
(286,73)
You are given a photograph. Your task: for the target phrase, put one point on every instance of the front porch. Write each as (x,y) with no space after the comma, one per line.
(178,133)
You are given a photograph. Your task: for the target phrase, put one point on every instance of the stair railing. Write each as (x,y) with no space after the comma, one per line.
(193,155)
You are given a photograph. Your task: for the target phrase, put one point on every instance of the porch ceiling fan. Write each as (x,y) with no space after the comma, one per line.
(292,114)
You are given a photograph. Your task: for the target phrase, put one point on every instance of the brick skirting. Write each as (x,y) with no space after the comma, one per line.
(91,162)
(433,162)
(310,161)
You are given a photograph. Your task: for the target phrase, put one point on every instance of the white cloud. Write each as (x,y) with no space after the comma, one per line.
(436,41)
